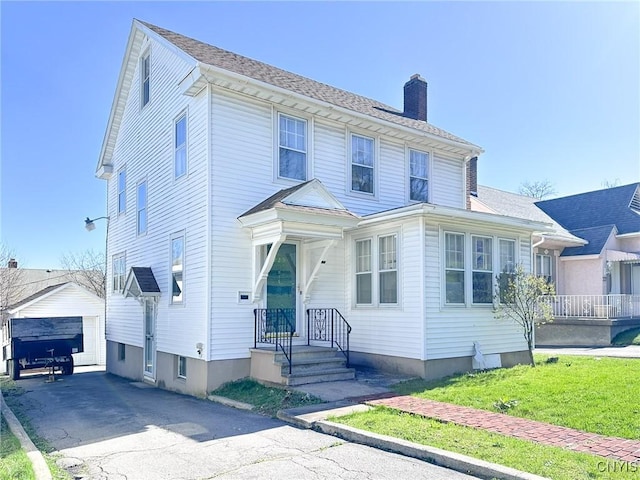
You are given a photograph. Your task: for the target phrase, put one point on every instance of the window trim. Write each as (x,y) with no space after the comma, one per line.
(374,167)
(182,375)
(550,277)
(176,148)
(120,257)
(455,269)
(122,209)
(177,236)
(375,270)
(428,154)
(145,57)
(308,127)
(145,208)
(475,269)
(382,270)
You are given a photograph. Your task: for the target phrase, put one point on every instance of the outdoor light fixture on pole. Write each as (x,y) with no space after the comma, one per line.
(90,226)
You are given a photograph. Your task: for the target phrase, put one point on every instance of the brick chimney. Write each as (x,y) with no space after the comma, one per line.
(13,263)
(472,180)
(415,98)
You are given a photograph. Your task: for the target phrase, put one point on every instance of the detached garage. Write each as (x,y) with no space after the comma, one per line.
(70,300)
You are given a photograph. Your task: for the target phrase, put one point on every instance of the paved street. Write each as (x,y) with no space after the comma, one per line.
(105,427)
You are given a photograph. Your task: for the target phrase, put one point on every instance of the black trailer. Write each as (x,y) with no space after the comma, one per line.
(42,343)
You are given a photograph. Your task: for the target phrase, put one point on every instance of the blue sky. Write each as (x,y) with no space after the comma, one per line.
(550,90)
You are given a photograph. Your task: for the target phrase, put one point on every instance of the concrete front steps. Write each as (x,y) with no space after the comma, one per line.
(311,364)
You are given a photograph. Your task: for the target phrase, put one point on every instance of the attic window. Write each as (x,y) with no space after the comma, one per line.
(635,201)
(145,74)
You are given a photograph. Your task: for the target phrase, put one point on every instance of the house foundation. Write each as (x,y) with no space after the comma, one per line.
(582,332)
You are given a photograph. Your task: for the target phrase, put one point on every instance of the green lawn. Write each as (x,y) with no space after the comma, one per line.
(592,394)
(14,463)
(599,395)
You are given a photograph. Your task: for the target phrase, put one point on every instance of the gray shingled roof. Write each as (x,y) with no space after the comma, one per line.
(36,295)
(263,72)
(146,280)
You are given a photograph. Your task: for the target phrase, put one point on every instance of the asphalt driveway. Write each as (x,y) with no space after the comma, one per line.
(105,427)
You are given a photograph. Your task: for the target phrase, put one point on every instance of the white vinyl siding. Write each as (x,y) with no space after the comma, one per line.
(292,147)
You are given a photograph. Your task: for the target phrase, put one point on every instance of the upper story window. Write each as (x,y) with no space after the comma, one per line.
(141,219)
(482,271)
(362,164)
(118,272)
(292,147)
(145,79)
(363,272)
(454,267)
(418,168)
(122,191)
(180,147)
(177,269)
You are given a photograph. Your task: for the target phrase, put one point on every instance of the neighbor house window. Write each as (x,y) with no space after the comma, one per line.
(388,269)
(362,164)
(180,147)
(454,267)
(182,366)
(141,203)
(145,75)
(122,191)
(363,272)
(118,272)
(177,269)
(482,269)
(543,267)
(418,190)
(292,152)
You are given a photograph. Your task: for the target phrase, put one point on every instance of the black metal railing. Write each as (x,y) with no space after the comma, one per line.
(328,325)
(274,326)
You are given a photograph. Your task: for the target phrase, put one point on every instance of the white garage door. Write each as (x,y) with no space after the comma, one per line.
(90,332)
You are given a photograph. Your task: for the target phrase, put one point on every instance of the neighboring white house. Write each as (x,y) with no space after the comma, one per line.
(69,300)
(235,186)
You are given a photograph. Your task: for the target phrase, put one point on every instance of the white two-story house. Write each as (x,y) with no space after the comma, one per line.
(245,202)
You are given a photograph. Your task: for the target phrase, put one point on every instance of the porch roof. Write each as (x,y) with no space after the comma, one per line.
(141,282)
(618,256)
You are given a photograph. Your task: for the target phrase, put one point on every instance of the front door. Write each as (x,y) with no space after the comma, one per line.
(282,292)
(149,338)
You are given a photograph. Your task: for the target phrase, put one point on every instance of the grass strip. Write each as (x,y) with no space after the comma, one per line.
(14,462)
(266,400)
(598,395)
(551,462)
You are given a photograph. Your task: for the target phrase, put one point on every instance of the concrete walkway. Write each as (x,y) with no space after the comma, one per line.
(539,432)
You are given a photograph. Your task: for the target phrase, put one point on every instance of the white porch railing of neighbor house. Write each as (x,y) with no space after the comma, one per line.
(594,306)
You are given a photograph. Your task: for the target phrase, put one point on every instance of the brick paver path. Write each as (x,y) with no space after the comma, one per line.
(610,447)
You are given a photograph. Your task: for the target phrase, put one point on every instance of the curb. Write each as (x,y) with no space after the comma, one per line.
(40,468)
(229,402)
(316,420)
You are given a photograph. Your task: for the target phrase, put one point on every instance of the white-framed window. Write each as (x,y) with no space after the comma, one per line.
(292,147)
(141,208)
(418,176)
(363,272)
(388,269)
(122,191)
(454,268)
(180,146)
(507,255)
(118,272)
(145,79)
(177,269)
(482,269)
(376,270)
(362,164)
(182,366)
(544,267)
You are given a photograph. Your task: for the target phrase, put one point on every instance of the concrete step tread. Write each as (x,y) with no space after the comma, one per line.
(317,373)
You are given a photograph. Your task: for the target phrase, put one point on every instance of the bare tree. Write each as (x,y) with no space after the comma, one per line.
(610,184)
(537,189)
(88,269)
(11,282)
(518,298)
